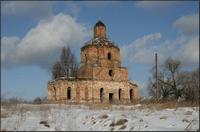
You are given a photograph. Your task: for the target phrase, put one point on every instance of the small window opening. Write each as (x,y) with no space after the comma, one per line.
(101,95)
(131,95)
(68,93)
(109,56)
(120,94)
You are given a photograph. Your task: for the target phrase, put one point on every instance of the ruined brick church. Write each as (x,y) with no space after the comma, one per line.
(101,78)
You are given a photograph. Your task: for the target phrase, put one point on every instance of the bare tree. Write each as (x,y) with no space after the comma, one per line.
(165,90)
(167,79)
(67,66)
(57,71)
(190,84)
(175,83)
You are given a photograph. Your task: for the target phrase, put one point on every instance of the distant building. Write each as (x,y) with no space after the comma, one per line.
(101,78)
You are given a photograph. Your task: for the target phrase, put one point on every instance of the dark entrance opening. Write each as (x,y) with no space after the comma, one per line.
(68,93)
(110,97)
(101,95)
(109,56)
(120,93)
(131,95)
(110,72)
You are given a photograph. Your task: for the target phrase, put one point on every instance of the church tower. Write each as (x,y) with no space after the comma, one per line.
(100,58)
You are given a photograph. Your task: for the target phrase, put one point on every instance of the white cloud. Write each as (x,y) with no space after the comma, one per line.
(189,52)
(183,47)
(188,24)
(8,44)
(42,44)
(141,51)
(155,4)
(29,8)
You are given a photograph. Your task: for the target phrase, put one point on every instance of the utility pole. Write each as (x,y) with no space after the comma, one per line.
(157,89)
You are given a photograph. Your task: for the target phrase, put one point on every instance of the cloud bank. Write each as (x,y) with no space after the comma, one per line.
(188,24)
(42,44)
(185,47)
(27,8)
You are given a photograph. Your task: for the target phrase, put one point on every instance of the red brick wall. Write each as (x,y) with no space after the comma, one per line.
(89,91)
(96,65)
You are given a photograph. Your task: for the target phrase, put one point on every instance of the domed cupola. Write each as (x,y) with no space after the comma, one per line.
(99,30)
(100,23)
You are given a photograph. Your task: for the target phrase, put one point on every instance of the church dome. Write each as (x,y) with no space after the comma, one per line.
(100,23)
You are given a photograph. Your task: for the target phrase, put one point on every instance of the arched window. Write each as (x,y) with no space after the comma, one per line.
(68,93)
(101,95)
(54,93)
(120,92)
(109,56)
(131,95)
(110,72)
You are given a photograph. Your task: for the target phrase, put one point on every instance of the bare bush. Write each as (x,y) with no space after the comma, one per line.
(119,122)
(37,100)
(45,123)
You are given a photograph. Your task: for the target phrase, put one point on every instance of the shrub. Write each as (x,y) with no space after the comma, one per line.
(37,101)
(121,121)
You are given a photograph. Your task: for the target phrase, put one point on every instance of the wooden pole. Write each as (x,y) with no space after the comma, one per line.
(156,62)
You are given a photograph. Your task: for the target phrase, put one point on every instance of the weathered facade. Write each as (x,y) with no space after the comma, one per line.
(101,78)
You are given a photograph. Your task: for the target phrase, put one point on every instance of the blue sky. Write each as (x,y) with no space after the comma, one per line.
(34,32)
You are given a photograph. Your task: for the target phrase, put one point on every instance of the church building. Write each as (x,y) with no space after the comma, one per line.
(101,77)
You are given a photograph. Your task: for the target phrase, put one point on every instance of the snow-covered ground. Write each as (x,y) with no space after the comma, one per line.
(79,117)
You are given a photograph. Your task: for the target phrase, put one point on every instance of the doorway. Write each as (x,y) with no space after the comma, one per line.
(111,97)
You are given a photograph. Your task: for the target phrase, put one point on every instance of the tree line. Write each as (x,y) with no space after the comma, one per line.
(174,82)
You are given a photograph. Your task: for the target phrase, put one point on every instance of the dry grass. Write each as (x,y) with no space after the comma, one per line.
(163,104)
(4,114)
(112,124)
(163,117)
(45,123)
(119,122)
(104,116)
(185,120)
(188,113)
(123,127)
(112,129)
(99,106)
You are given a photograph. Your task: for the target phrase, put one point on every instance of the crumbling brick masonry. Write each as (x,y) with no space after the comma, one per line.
(101,78)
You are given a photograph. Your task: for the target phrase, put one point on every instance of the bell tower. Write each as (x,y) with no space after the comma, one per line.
(100,58)
(99,30)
